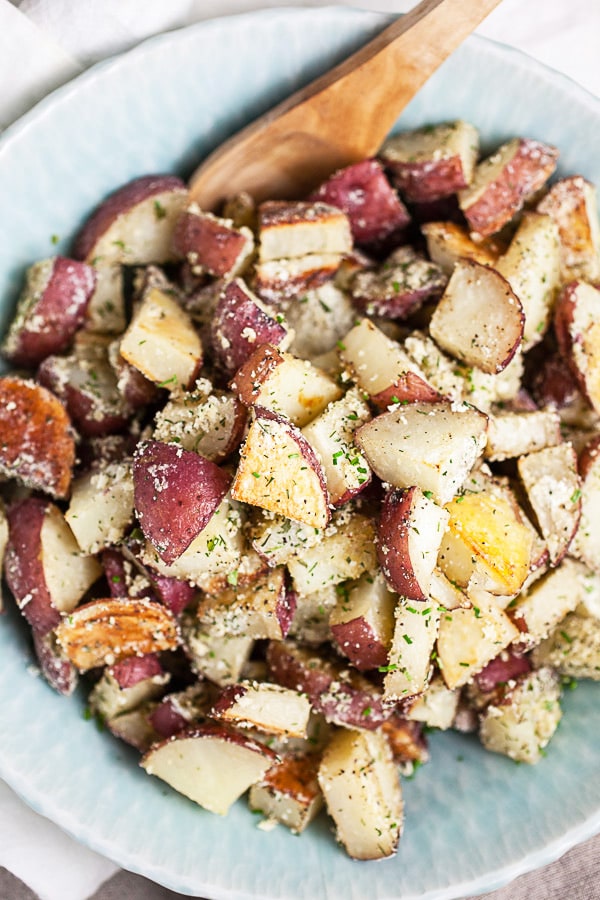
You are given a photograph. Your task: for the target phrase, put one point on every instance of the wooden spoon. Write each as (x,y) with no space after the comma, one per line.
(341,117)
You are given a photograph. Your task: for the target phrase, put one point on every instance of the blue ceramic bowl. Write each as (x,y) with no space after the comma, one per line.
(473,820)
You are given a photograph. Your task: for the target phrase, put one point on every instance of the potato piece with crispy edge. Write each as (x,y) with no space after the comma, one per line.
(162,343)
(268,707)
(469,638)
(212,764)
(176,493)
(291,229)
(285,385)
(362,793)
(263,609)
(51,308)
(531,265)
(521,725)
(504,181)
(448,242)
(432,445)
(479,318)
(289,792)
(538,610)
(553,489)
(37,446)
(279,471)
(432,162)
(571,203)
(362,622)
(363,192)
(211,244)
(409,534)
(339,693)
(399,286)
(104,632)
(44,567)
(485,539)
(577,331)
(280,280)
(415,632)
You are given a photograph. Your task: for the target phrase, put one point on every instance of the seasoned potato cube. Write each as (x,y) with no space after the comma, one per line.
(362,793)
(573,648)
(523,723)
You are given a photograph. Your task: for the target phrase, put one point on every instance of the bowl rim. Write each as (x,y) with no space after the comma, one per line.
(50,807)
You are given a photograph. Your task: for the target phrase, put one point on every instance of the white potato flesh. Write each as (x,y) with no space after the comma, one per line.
(448,242)
(531,265)
(268,707)
(540,609)
(375,360)
(479,319)
(162,343)
(469,639)
(348,551)
(68,572)
(415,633)
(214,554)
(586,544)
(278,539)
(288,230)
(512,434)
(362,793)
(553,488)
(289,792)
(331,435)
(101,506)
(108,699)
(431,445)
(220,658)
(212,770)
(573,648)
(258,610)
(436,707)
(522,726)
(572,204)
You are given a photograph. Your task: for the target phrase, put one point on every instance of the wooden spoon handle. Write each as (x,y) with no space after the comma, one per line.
(330,123)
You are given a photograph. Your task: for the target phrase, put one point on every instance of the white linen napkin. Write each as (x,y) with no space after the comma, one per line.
(60,38)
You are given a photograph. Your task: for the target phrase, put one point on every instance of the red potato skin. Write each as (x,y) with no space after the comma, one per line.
(235,314)
(228,696)
(564,312)
(93,414)
(118,203)
(207,243)
(175,594)
(130,671)
(392,543)
(53,320)
(525,173)
(224,732)
(176,492)
(410,388)
(363,192)
(59,672)
(119,582)
(167,720)
(23,566)
(506,667)
(427,181)
(554,384)
(329,693)
(357,641)
(38,446)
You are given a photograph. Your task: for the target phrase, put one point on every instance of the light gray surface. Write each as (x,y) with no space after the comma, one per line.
(576,876)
